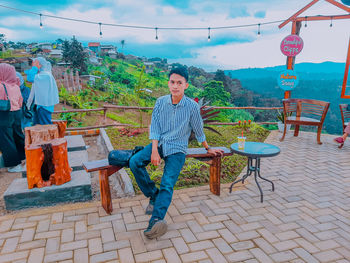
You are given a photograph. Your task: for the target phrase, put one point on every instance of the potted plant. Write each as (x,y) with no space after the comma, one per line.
(280,123)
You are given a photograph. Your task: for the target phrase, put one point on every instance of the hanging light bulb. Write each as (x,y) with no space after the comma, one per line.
(331,22)
(41,24)
(259,29)
(156,33)
(305,21)
(209,34)
(100,24)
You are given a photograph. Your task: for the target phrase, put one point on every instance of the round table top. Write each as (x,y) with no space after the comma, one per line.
(256,149)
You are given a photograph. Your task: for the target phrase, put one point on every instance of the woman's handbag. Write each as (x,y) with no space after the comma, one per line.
(5,105)
(121,157)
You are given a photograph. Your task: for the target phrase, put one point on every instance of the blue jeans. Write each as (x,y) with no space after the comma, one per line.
(172,168)
(42,116)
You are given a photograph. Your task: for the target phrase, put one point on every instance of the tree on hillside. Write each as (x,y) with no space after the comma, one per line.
(3,43)
(73,52)
(214,92)
(122,42)
(66,50)
(198,77)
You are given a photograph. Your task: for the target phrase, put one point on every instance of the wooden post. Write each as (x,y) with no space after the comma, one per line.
(215,173)
(291,60)
(66,82)
(345,80)
(105,113)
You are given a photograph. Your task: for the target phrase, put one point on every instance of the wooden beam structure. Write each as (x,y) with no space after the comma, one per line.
(296,25)
(292,18)
(345,80)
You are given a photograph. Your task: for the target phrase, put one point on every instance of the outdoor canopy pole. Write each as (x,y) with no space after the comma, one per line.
(345,80)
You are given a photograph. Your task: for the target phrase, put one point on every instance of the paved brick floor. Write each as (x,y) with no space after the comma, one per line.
(306,219)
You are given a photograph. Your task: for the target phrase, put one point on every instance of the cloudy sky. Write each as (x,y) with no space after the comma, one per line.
(228,48)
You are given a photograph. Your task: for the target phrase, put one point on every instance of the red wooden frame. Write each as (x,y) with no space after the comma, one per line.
(345,80)
(296,27)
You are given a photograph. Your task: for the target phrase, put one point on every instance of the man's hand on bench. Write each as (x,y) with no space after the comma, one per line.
(216,152)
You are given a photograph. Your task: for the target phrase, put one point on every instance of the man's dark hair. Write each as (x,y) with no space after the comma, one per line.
(182,71)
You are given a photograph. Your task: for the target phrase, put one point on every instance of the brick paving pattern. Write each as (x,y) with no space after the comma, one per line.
(306,219)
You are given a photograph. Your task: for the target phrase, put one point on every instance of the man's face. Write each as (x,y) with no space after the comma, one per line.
(177,85)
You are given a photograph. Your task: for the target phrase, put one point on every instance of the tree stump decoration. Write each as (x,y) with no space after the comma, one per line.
(40,133)
(47,163)
(61,125)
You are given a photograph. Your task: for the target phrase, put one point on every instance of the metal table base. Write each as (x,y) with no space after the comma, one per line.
(256,170)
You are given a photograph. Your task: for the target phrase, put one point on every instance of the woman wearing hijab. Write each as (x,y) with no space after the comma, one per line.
(25,91)
(11,135)
(44,92)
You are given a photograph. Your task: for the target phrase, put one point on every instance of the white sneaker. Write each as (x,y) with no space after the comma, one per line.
(16,169)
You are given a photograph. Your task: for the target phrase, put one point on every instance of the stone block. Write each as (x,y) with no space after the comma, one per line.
(75,143)
(76,159)
(18,196)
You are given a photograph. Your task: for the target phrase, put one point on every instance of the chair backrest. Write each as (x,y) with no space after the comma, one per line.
(345,114)
(315,109)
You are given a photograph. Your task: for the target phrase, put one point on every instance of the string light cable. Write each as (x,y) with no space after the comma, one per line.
(138,26)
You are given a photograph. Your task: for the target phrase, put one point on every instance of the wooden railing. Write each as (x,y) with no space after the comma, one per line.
(105,108)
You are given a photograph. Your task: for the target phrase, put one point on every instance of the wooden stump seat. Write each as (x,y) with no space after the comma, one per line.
(35,159)
(105,170)
(46,155)
(304,112)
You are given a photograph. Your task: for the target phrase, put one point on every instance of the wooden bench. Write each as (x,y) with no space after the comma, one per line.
(345,115)
(105,170)
(304,112)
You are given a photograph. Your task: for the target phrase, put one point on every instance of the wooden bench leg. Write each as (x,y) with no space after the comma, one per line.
(284,133)
(215,173)
(296,131)
(105,191)
(319,130)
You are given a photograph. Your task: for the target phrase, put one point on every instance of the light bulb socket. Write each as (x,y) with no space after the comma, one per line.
(100,25)
(156,33)
(41,23)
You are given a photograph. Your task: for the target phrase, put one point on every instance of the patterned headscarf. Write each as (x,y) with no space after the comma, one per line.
(11,81)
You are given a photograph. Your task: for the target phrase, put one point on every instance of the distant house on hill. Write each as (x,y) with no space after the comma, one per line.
(95,47)
(44,46)
(20,63)
(149,66)
(88,79)
(56,53)
(108,48)
(95,60)
(89,52)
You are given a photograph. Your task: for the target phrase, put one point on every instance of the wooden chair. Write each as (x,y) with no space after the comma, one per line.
(345,115)
(304,112)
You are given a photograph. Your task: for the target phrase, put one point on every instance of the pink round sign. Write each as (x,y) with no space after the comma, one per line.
(292,45)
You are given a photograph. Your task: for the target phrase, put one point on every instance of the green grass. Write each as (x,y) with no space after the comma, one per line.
(121,119)
(194,172)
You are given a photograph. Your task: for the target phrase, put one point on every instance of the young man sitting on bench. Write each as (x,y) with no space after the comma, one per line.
(173,118)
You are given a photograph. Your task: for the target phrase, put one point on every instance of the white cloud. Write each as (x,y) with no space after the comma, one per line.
(321,42)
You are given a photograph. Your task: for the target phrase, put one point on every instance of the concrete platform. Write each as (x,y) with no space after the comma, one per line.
(75,143)
(76,159)
(18,196)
